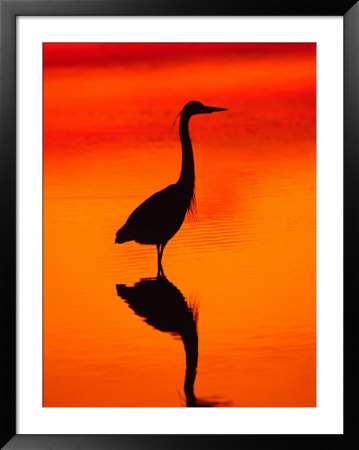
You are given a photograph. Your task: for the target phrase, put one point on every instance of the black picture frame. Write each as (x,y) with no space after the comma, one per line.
(9,10)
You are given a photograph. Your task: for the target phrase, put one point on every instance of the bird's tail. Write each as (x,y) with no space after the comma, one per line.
(122,236)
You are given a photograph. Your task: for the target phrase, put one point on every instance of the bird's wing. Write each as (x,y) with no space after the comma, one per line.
(155,209)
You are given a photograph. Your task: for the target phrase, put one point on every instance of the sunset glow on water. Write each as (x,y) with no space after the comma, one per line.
(245,264)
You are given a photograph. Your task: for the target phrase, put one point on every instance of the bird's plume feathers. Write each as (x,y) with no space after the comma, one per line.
(176,119)
(191,213)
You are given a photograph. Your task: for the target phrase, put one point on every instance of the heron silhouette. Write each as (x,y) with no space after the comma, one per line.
(164,307)
(159,217)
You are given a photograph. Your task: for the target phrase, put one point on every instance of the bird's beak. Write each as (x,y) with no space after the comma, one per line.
(211,109)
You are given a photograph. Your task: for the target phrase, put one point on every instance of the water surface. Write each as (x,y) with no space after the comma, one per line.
(244,265)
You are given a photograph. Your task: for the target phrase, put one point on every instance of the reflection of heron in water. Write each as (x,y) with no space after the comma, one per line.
(159,217)
(163,307)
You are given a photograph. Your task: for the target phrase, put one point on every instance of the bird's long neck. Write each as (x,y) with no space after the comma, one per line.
(187,177)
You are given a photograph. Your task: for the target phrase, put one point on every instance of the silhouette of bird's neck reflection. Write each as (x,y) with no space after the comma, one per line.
(164,307)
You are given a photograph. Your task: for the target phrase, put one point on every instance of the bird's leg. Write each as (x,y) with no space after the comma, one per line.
(162,247)
(158,246)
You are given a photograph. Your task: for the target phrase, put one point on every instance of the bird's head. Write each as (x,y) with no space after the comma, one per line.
(192,108)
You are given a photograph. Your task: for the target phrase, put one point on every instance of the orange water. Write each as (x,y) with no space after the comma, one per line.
(247,262)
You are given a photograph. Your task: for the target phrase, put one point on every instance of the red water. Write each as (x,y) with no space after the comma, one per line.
(248,260)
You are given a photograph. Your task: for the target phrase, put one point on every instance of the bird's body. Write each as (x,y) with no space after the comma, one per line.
(159,217)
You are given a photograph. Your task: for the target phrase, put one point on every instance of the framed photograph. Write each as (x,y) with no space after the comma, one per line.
(176,180)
